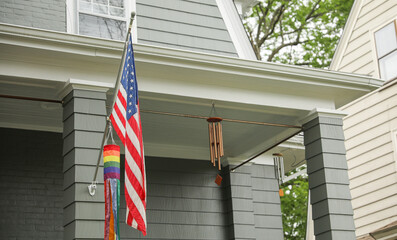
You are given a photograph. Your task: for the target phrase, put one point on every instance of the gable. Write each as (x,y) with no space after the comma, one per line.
(187,25)
(356,50)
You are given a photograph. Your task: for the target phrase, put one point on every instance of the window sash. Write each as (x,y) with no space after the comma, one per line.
(388,66)
(386,39)
(102,27)
(386,50)
(104,15)
(112,32)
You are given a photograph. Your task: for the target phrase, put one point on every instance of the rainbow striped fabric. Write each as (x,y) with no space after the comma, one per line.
(111,160)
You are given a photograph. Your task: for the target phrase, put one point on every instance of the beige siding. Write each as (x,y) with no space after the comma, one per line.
(358,56)
(370,155)
(371,120)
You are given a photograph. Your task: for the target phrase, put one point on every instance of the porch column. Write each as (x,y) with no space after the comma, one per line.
(328,179)
(254,203)
(84,119)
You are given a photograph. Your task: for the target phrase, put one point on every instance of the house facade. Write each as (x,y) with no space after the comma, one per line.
(58,65)
(368,46)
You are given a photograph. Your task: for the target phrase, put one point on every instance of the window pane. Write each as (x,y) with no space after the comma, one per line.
(102,27)
(116,3)
(388,66)
(104,2)
(119,12)
(100,9)
(386,40)
(85,6)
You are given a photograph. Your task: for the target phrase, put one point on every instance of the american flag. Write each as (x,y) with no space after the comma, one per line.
(126,121)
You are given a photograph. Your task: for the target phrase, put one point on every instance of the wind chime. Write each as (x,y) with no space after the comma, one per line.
(216,140)
(279,170)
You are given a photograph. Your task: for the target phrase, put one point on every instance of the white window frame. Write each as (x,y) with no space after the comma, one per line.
(375,58)
(72,23)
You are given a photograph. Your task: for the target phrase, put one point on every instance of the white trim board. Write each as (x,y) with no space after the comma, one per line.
(236,29)
(347,32)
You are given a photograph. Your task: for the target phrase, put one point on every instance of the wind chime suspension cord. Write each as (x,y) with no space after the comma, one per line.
(223,119)
(213,111)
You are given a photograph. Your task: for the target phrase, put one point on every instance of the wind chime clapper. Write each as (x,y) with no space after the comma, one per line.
(216,140)
(279,170)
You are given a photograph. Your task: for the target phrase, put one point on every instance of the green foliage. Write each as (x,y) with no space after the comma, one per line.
(294,208)
(300,32)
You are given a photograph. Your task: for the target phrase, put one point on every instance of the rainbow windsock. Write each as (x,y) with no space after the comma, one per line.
(111,160)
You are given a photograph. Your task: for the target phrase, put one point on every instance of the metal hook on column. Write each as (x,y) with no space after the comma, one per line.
(92,188)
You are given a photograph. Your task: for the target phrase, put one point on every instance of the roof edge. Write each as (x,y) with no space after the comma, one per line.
(347,31)
(110,49)
(236,29)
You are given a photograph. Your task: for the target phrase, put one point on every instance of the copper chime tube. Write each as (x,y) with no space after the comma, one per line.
(211,142)
(216,140)
(221,138)
(218,145)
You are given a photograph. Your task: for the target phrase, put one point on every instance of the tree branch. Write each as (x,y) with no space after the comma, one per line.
(262,20)
(273,23)
(314,8)
(283,45)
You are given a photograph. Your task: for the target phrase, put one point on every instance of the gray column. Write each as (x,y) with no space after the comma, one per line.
(240,203)
(84,116)
(328,179)
(254,203)
(267,204)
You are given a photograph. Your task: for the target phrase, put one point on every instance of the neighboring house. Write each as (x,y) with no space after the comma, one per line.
(58,64)
(369,46)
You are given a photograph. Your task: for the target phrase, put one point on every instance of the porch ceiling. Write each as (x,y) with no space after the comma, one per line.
(37,63)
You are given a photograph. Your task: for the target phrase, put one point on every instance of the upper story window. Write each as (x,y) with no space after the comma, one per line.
(99,18)
(386,49)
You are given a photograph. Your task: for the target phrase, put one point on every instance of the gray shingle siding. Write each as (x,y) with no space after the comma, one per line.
(254,203)
(44,14)
(31,185)
(188,25)
(328,179)
(183,202)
